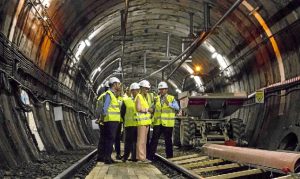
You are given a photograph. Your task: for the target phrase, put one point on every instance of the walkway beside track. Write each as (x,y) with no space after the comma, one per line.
(128,170)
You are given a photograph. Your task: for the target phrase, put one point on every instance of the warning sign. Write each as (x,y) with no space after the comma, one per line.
(260,96)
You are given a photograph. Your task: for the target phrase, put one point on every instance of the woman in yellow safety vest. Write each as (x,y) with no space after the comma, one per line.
(143,117)
(163,120)
(128,113)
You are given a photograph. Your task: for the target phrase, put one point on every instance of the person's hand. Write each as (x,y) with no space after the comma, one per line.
(150,110)
(166,102)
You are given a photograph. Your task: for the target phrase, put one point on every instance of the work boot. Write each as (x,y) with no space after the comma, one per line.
(111,161)
(119,157)
(100,159)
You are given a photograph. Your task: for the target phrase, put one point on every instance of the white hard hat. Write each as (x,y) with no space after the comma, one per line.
(114,80)
(162,85)
(144,83)
(107,84)
(134,86)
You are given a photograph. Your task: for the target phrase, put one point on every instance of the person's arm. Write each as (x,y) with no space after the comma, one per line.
(123,111)
(106,104)
(139,107)
(174,105)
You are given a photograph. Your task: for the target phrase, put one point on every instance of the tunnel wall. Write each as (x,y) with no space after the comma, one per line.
(25,37)
(269,123)
(17,142)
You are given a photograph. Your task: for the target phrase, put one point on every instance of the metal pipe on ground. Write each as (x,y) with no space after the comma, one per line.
(288,162)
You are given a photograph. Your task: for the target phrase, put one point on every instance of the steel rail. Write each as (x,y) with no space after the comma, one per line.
(180,169)
(69,172)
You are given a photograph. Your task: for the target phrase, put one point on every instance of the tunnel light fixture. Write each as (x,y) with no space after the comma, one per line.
(221,61)
(198,68)
(199,83)
(197,79)
(81,46)
(46,3)
(87,42)
(94,73)
(187,68)
(209,47)
(178,90)
(214,55)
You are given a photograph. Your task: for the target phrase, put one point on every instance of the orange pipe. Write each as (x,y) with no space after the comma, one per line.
(278,160)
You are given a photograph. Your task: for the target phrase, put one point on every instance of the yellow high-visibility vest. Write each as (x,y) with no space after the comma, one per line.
(113,111)
(150,99)
(120,101)
(100,102)
(164,115)
(130,115)
(143,119)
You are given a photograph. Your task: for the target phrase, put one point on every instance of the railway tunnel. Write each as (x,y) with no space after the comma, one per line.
(55,56)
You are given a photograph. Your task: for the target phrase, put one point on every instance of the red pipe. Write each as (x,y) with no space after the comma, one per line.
(278,160)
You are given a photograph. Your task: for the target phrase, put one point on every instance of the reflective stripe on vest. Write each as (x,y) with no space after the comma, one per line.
(164,114)
(113,111)
(130,113)
(143,119)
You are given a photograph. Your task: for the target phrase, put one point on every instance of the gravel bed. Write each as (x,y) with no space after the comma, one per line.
(48,166)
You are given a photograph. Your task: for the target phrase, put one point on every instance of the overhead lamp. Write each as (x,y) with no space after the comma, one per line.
(178,90)
(87,42)
(214,55)
(198,68)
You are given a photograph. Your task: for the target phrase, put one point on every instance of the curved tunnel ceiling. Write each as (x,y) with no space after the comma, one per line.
(242,44)
(149,24)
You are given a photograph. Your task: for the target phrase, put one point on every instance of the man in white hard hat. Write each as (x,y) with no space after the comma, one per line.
(163,120)
(99,121)
(128,113)
(111,112)
(144,111)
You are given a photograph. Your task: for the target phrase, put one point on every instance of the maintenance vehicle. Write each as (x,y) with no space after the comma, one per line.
(205,118)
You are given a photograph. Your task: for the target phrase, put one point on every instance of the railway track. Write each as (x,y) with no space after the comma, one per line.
(72,170)
(200,166)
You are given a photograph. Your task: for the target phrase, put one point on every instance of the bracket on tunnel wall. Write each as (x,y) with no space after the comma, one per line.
(58,113)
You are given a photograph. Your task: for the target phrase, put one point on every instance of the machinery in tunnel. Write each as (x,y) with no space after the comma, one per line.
(205,119)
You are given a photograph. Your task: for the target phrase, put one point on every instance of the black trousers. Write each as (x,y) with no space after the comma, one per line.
(118,140)
(101,143)
(110,131)
(167,132)
(130,142)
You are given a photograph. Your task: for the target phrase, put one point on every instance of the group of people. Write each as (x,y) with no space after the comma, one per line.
(137,109)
